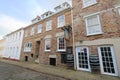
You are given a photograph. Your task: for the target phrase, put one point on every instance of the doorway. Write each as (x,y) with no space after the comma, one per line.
(37,48)
(107,60)
(26,58)
(82,59)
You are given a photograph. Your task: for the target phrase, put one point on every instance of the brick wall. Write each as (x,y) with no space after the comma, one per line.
(109,19)
(44,56)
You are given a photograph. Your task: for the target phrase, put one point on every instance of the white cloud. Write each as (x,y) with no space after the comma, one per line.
(36,9)
(8,24)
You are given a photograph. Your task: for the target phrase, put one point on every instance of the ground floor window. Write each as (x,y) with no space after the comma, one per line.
(53,61)
(107,59)
(61,44)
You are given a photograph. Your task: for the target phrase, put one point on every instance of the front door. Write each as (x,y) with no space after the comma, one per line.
(107,60)
(82,57)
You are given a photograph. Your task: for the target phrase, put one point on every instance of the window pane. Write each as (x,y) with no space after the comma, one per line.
(61,43)
(32,31)
(47,44)
(48,25)
(40,28)
(119,10)
(93,25)
(61,21)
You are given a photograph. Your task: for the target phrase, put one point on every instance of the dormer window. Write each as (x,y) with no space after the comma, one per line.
(46,14)
(62,6)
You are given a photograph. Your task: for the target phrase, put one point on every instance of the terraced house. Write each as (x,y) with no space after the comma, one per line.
(13,44)
(97,35)
(46,39)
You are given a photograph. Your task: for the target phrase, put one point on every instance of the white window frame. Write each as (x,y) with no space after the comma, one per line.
(46,42)
(32,30)
(28,47)
(61,50)
(114,61)
(49,25)
(78,49)
(87,5)
(40,28)
(119,10)
(99,23)
(59,21)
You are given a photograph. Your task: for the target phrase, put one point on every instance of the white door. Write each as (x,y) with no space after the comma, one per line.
(107,60)
(82,57)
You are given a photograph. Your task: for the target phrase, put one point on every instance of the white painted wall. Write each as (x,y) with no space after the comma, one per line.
(13,45)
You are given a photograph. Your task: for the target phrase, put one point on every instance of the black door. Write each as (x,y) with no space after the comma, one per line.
(26,58)
(53,61)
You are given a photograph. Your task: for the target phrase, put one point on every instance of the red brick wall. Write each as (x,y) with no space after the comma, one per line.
(109,19)
(44,56)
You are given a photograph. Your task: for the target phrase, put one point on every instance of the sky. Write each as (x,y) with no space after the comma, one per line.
(15,14)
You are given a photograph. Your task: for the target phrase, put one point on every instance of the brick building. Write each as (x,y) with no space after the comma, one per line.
(97,33)
(45,40)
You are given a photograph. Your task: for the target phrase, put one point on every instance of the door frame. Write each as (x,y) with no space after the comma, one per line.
(89,68)
(114,61)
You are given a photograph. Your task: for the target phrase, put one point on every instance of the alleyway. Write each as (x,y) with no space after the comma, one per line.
(12,72)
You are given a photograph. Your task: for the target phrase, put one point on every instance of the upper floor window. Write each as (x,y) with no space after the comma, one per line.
(47,44)
(93,25)
(32,31)
(87,3)
(48,25)
(39,28)
(61,21)
(61,44)
(119,10)
(26,33)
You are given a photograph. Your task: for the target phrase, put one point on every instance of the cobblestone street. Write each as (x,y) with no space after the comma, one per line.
(12,72)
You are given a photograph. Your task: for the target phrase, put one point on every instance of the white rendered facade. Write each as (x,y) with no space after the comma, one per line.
(14,44)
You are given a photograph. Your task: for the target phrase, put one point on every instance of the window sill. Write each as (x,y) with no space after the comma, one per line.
(48,30)
(39,32)
(47,50)
(95,34)
(60,26)
(61,51)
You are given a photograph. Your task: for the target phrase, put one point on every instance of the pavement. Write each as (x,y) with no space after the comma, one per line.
(61,72)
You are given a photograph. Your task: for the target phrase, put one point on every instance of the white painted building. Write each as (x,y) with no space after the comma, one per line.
(14,44)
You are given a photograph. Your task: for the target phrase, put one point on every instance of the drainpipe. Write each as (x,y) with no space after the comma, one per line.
(75,62)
